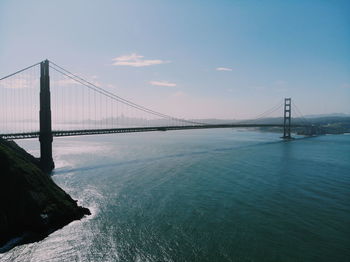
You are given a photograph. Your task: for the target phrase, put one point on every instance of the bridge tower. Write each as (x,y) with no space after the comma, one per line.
(45,134)
(287,118)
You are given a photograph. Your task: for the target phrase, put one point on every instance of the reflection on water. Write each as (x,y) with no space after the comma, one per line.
(201,195)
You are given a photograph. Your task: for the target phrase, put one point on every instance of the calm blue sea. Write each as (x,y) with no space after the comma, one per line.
(201,195)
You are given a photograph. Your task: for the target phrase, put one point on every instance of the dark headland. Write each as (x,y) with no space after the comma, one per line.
(31,204)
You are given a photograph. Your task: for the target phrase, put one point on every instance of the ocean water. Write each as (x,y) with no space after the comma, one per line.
(201,195)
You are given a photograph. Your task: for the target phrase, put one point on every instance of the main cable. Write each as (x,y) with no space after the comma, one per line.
(115,97)
(19,71)
(264,114)
(118,98)
(307,122)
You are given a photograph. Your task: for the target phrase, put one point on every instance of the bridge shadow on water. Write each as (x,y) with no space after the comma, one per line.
(64,170)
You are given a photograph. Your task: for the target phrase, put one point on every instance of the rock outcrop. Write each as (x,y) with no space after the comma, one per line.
(31,204)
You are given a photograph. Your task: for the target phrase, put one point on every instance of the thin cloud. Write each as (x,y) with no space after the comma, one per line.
(64,82)
(223,69)
(136,60)
(179,94)
(19,83)
(280,83)
(162,83)
(69,82)
(111,86)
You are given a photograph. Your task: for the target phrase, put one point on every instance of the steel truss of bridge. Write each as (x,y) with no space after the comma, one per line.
(134,130)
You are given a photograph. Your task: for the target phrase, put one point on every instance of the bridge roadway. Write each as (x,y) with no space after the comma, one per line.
(133,130)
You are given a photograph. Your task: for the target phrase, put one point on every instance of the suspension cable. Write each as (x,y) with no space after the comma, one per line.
(301,115)
(19,71)
(115,97)
(265,113)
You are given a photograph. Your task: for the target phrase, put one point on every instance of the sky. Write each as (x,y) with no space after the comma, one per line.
(192,59)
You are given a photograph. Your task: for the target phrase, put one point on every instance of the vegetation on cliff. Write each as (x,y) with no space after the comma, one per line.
(31,204)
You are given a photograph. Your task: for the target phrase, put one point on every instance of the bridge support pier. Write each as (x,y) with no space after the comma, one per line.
(45,136)
(287,118)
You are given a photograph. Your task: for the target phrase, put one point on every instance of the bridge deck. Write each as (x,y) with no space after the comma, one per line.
(133,130)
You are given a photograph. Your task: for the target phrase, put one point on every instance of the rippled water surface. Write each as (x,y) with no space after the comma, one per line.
(202,195)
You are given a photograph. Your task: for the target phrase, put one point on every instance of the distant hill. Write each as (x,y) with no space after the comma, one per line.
(314,119)
(326,124)
(328,115)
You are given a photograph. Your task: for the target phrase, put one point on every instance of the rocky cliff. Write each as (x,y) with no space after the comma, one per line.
(31,204)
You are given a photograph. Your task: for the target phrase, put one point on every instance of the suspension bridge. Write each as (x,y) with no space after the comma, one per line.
(37,104)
